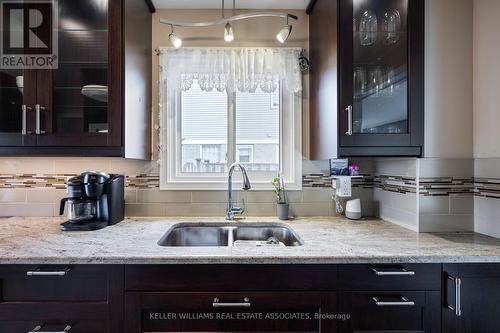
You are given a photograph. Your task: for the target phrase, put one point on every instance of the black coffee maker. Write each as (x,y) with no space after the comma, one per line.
(95,200)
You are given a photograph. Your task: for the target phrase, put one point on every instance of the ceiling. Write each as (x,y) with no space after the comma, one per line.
(240,4)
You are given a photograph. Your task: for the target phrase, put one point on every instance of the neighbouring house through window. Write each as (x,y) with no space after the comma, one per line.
(210,120)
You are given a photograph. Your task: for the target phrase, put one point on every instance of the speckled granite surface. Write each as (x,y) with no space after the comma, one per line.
(326,240)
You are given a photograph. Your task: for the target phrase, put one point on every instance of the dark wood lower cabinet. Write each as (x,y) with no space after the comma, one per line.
(409,298)
(471,298)
(88,298)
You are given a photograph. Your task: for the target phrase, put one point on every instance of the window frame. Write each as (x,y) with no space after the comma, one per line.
(290,150)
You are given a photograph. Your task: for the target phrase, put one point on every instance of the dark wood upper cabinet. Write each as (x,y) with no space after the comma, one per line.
(79,107)
(367,78)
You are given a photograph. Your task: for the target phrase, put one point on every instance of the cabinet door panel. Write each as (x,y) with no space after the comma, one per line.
(478,300)
(17,90)
(380,73)
(381,85)
(81,99)
(237,312)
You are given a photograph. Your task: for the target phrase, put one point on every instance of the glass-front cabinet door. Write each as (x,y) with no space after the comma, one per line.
(77,107)
(17,95)
(381,49)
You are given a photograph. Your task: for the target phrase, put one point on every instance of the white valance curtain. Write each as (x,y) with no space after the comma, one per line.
(231,69)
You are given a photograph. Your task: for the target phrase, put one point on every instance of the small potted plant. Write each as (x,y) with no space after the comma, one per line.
(282,205)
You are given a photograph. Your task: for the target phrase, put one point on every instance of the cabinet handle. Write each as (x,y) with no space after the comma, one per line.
(39,327)
(458,296)
(404,302)
(400,272)
(24,130)
(245,304)
(349,120)
(38,129)
(41,272)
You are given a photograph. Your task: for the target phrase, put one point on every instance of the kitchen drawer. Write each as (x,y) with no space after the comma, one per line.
(391,311)
(390,277)
(229,312)
(54,317)
(230,277)
(50,312)
(30,283)
(25,326)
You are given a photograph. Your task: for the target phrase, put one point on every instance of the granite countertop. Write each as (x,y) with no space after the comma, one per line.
(326,240)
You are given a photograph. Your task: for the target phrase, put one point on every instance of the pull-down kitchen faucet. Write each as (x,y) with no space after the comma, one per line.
(231,210)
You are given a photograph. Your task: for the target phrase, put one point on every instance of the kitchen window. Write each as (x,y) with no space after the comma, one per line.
(206,129)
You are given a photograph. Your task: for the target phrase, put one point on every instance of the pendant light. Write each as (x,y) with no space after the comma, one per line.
(228,33)
(175,40)
(284,33)
(228,29)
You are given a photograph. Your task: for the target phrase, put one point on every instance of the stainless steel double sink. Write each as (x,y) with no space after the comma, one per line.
(229,234)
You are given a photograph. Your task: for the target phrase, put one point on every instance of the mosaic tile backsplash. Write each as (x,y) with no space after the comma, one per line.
(34,189)
(489,188)
(388,190)
(427,186)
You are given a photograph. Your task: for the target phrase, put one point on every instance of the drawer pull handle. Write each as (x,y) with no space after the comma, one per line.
(245,304)
(401,272)
(42,272)
(458,296)
(38,330)
(404,302)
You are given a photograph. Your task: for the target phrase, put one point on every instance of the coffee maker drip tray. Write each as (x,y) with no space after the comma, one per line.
(83,226)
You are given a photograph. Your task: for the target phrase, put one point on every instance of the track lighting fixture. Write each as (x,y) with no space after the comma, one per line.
(284,33)
(282,36)
(175,40)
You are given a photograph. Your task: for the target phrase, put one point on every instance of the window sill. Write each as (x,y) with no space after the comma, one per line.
(222,186)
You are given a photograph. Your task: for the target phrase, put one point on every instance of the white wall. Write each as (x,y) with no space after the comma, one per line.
(487,79)
(487,111)
(448,78)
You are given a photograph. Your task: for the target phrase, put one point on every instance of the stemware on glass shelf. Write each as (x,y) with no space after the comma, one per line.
(376,79)
(391,26)
(360,82)
(390,82)
(368,28)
